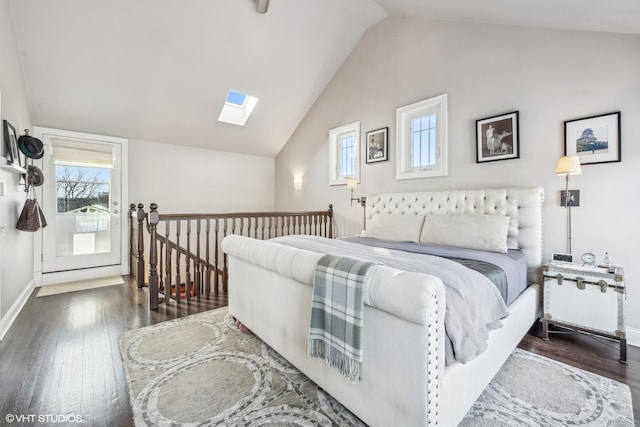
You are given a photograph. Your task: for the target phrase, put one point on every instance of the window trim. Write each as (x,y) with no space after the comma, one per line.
(335,178)
(404,170)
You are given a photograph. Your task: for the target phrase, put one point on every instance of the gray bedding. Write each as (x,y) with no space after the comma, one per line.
(474,305)
(508,272)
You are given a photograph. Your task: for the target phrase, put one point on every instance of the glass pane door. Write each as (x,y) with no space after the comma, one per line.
(83,216)
(81,200)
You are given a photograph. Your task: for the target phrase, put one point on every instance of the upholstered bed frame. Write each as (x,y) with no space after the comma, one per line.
(522,205)
(405,381)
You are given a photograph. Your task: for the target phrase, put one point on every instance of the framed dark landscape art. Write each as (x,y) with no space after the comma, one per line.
(497,138)
(594,139)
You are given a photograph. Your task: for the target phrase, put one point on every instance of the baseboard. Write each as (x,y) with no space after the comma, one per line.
(633,336)
(7,320)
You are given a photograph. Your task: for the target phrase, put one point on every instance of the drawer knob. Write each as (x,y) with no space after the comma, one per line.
(559,277)
(580,283)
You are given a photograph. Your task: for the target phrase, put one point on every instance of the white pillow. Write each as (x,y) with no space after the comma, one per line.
(471,231)
(396,227)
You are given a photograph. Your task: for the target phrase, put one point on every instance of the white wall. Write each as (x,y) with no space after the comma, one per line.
(195,180)
(548,75)
(16,247)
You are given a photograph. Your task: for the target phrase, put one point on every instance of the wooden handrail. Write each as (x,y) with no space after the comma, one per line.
(166,267)
(243,215)
(163,240)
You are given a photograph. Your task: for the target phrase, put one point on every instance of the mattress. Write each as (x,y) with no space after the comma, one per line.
(473,303)
(508,271)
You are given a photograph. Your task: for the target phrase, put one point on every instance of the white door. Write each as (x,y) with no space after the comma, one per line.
(82,201)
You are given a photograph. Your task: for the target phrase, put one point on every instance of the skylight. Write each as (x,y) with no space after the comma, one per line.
(237,108)
(236,98)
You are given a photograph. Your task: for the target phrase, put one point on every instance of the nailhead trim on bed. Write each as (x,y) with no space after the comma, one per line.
(433,379)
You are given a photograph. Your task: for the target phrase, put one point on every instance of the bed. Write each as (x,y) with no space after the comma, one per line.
(406,377)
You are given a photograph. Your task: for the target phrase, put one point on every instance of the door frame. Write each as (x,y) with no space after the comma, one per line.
(65,276)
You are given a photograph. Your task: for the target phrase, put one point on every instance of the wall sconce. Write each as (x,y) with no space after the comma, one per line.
(297,183)
(352,184)
(569,165)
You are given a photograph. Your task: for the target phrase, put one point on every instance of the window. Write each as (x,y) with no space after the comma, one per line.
(422,139)
(82,189)
(343,153)
(236,98)
(237,108)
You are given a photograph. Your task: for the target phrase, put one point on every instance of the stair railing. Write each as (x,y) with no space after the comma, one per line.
(185,259)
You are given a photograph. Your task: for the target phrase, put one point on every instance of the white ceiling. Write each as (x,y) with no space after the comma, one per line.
(618,16)
(159,70)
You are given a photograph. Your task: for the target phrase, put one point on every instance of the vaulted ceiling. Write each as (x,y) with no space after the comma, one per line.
(159,70)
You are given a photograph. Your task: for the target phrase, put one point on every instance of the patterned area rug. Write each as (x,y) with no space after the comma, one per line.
(531,390)
(202,370)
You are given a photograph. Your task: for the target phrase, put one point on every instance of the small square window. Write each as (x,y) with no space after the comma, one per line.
(422,139)
(344,154)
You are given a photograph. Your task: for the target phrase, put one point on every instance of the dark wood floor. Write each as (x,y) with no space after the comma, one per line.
(61,355)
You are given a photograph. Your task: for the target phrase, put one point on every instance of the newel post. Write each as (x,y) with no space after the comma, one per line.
(140,255)
(132,254)
(331,221)
(154,218)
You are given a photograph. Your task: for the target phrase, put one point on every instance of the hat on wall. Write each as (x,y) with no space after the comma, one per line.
(30,146)
(34,176)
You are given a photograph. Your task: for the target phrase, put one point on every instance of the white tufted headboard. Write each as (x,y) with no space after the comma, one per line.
(522,205)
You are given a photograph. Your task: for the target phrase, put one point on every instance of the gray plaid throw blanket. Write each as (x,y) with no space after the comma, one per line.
(337,312)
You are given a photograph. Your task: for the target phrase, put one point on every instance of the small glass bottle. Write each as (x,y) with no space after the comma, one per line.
(606,260)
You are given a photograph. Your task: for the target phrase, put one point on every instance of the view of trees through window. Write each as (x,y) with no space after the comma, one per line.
(82,189)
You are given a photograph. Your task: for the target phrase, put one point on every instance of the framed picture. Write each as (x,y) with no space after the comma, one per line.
(497,138)
(11,142)
(377,145)
(560,257)
(593,139)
